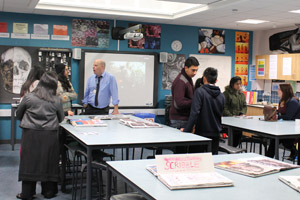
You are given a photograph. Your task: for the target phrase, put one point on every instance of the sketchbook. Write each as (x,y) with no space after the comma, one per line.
(187,171)
(292,181)
(255,167)
(139,124)
(87,122)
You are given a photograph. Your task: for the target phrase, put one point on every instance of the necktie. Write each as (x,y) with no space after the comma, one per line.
(97,91)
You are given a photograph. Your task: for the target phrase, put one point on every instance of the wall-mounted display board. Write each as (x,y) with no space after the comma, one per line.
(278,67)
(16,63)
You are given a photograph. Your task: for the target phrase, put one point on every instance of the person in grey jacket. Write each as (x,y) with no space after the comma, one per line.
(40,113)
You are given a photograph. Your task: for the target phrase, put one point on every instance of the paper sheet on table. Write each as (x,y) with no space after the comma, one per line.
(287,66)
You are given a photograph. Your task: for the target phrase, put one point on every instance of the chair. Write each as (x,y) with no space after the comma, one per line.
(229,149)
(252,141)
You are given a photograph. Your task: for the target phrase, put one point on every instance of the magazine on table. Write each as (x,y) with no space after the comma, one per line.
(133,123)
(292,181)
(254,167)
(188,171)
(109,117)
(87,122)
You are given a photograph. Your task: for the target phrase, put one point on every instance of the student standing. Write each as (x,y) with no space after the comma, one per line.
(65,90)
(206,111)
(40,113)
(235,104)
(182,94)
(100,88)
(32,80)
(289,109)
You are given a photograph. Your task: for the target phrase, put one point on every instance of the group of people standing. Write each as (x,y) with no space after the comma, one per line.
(46,98)
(199,109)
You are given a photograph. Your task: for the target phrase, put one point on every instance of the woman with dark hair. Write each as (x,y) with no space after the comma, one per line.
(65,89)
(32,79)
(199,83)
(40,113)
(235,104)
(288,109)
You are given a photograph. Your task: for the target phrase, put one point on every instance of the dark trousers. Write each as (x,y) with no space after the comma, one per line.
(179,124)
(236,134)
(200,149)
(49,189)
(287,143)
(90,110)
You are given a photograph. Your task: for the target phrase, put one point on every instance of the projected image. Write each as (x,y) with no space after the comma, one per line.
(128,74)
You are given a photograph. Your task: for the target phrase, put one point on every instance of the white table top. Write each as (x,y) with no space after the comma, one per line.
(278,128)
(246,188)
(118,134)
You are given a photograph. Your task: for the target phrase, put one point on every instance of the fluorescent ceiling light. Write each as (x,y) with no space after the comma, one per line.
(138,8)
(295,11)
(252,21)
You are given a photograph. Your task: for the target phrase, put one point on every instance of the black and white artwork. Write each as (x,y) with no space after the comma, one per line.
(171,69)
(15,65)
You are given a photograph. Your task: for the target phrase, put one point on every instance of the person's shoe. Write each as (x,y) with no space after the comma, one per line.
(49,195)
(19,196)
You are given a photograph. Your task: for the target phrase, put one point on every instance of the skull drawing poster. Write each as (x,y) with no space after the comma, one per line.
(15,65)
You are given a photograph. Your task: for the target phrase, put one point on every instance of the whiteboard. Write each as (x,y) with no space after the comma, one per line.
(134,73)
(221,63)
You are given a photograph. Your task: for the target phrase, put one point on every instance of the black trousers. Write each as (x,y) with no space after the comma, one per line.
(287,143)
(90,110)
(214,146)
(49,189)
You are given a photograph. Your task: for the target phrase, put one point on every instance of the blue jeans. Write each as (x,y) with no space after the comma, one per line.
(178,124)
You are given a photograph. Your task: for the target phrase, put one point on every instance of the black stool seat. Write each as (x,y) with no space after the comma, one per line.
(229,149)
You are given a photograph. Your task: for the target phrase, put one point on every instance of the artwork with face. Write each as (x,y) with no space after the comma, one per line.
(15,65)
(171,69)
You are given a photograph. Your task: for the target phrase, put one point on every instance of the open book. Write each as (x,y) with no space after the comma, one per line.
(139,124)
(188,171)
(254,167)
(292,181)
(109,117)
(87,122)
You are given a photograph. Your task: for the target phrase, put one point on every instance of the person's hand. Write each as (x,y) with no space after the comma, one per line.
(115,112)
(182,129)
(84,105)
(70,113)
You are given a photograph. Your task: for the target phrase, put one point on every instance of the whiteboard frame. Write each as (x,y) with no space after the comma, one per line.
(155,81)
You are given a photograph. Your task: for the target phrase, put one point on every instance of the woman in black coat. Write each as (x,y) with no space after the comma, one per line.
(40,113)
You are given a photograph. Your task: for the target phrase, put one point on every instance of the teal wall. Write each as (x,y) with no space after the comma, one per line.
(188,35)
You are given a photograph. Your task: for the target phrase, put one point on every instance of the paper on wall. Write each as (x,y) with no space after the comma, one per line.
(268,87)
(273,67)
(287,66)
(258,84)
(298,87)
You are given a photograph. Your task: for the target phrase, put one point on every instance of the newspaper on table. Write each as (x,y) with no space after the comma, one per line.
(133,123)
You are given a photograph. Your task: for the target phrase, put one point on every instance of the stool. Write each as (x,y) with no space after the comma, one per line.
(128,196)
(229,149)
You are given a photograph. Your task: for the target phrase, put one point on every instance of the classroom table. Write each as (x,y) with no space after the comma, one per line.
(116,135)
(281,129)
(134,173)
(14,107)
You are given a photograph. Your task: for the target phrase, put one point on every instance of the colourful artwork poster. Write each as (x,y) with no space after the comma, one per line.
(3,27)
(60,30)
(242,56)
(90,33)
(261,67)
(211,41)
(150,40)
